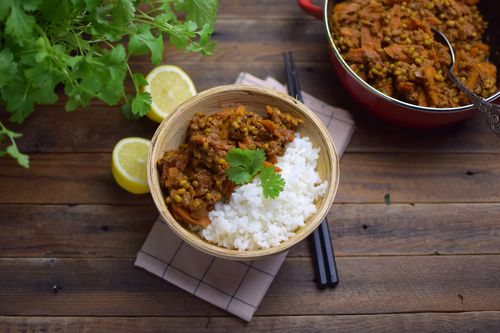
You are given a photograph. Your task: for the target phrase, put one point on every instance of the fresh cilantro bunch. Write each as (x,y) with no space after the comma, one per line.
(246,164)
(81,46)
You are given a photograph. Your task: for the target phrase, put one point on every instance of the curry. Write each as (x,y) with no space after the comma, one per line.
(390,45)
(193,176)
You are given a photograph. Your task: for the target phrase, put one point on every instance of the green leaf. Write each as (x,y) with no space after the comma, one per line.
(4,9)
(143,40)
(8,67)
(123,12)
(31,5)
(19,25)
(203,45)
(22,159)
(126,110)
(272,183)
(139,80)
(182,33)
(114,65)
(387,199)
(141,104)
(239,175)
(199,11)
(12,150)
(244,164)
(18,99)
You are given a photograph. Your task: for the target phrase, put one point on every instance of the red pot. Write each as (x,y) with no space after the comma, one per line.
(382,105)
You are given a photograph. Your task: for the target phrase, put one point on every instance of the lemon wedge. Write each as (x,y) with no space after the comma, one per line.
(129,164)
(169,87)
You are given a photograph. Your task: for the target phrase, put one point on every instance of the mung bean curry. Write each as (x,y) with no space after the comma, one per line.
(193,176)
(390,45)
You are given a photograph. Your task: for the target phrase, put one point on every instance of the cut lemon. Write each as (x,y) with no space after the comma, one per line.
(169,87)
(129,164)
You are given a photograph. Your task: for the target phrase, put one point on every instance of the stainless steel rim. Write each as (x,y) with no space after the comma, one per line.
(336,52)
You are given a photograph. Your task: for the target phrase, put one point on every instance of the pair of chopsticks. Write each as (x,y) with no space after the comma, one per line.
(321,241)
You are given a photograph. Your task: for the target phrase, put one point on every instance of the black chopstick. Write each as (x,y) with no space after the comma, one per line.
(329,258)
(321,242)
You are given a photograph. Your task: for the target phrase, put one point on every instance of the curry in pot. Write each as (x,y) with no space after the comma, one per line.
(390,45)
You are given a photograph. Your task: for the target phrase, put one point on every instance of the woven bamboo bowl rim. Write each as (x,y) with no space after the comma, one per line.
(172,132)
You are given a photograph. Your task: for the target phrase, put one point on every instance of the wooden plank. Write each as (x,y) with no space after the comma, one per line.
(376,135)
(463,322)
(484,322)
(64,179)
(411,178)
(257,40)
(366,178)
(76,231)
(114,287)
(119,231)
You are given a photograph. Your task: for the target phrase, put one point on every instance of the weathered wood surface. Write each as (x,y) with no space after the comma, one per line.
(409,178)
(66,223)
(114,287)
(357,230)
(483,322)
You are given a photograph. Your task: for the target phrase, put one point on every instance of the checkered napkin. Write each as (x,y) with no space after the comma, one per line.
(235,286)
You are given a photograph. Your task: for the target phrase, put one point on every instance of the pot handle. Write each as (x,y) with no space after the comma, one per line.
(311,9)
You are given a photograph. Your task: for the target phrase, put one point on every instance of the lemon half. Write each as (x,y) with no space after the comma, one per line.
(129,164)
(169,87)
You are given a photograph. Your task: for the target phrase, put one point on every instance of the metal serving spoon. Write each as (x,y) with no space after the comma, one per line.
(490,110)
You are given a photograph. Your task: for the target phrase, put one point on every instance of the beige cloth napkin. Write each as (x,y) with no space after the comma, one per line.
(235,286)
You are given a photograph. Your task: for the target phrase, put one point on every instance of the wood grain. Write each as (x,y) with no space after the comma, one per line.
(114,287)
(76,231)
(409,178)
(466,322)
(64,179)
(262,9)
(264,41)
(372,229)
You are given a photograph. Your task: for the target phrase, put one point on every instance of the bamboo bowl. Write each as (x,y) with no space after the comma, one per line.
(172,133)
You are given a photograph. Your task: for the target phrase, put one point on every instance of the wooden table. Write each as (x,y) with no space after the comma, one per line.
(429,261)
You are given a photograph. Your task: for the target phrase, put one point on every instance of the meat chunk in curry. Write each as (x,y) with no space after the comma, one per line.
(193,176)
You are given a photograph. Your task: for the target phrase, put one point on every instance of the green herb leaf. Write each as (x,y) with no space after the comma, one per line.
(126,110)
(141,104)
(19,25)
(199,11)
(22,159)
(272,183)
(239,175)
(143,40)
(387,199)
(139,80)
(244,164)
(8,67)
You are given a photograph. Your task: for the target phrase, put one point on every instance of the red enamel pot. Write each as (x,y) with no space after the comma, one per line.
(387,107)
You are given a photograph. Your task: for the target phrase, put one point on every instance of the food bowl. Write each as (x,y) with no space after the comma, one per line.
(172,133)
(390,108)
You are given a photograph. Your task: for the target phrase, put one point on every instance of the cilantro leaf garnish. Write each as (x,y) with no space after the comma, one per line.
(246,164)
(272,183)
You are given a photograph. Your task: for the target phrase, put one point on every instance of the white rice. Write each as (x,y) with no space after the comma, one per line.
(251,222)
